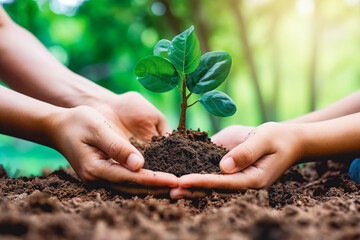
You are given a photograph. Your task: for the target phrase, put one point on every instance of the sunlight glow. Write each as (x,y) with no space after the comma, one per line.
(352,2)
(305,7)
(6,1)
(66,7)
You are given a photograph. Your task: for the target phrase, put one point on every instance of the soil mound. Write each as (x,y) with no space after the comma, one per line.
(180,155)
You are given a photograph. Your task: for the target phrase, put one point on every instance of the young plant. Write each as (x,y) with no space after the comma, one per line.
(180,62)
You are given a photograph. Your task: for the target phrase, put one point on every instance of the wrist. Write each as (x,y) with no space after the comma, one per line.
(84,92)
(53,127)
(298,139)
(310,140)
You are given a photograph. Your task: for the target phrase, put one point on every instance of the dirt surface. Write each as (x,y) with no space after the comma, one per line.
(313,202)
(180,155)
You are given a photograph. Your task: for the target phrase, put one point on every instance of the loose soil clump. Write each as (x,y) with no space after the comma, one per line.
(316,201)
(183,154)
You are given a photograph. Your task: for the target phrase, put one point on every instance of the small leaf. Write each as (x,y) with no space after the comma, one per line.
(161,48)
(184,51)
(156,74)
(212,71)
(218,103)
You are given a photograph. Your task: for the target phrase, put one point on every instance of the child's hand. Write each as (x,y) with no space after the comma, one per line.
(97,152)
(268,152)
(231,136)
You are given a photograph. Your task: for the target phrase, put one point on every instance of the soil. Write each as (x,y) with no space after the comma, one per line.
(180,155)
(317,201)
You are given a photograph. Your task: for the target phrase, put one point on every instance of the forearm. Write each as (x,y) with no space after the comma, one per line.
(332,138)
(345,106)
(25,117)
(28,67)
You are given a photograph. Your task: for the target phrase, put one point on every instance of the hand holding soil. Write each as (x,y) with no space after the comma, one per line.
(267,152)
(97,152)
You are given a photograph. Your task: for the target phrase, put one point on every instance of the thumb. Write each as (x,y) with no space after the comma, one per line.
(244,155)
(118,148)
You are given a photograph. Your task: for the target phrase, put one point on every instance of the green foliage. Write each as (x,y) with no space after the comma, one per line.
(184,51)
(156,74)
(161,48)
(212,71)
(218,103)
(200,74)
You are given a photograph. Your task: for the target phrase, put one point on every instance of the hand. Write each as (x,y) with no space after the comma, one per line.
(133,116)
(97,152)
(231,136)
(268,152)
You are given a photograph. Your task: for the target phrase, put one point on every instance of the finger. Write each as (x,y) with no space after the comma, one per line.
(244,155)
(163,127)
(236,181)
(218,139)
(117,148)
(178,193)
(114,172)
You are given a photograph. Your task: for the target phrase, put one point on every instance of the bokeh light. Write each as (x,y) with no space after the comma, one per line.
(158,8)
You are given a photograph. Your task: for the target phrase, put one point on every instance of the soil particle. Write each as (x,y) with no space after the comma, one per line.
(180,155)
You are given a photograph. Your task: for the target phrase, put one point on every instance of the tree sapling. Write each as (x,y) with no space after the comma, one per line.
(180,62)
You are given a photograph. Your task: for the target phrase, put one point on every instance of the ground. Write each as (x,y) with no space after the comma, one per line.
(312,202)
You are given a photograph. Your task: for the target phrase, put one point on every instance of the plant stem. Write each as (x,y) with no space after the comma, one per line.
(193,103)
(184,106)
(179,89)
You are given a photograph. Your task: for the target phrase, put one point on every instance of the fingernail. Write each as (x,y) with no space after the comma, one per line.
(134,161)
(228,165)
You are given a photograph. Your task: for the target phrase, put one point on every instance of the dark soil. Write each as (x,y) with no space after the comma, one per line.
(180,155)
(313,202)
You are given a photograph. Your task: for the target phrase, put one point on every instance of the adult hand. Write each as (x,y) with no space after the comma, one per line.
(231,136)
(133,116)
(256,163)
(97,152)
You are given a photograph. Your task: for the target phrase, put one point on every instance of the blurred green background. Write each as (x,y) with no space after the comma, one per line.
(289,56)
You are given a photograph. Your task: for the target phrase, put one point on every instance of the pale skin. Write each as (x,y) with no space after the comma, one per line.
(88,124)
(258,156)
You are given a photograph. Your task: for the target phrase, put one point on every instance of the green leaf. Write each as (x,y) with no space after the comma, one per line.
(218,103)
(184,51)
(156,74)
(212,71)
(161,48)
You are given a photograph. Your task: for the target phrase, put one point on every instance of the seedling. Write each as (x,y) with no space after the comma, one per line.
(179,62)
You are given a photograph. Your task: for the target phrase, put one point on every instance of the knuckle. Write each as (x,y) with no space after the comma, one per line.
(115,151)
(134,94)
(269,126)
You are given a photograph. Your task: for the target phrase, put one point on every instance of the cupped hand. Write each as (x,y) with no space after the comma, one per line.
(97,152)
(231,136)
(133,116)
(263,157)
